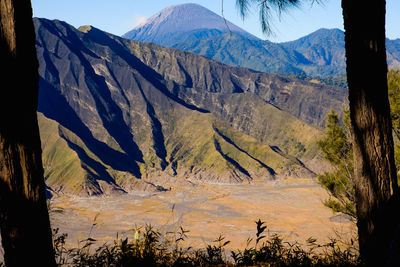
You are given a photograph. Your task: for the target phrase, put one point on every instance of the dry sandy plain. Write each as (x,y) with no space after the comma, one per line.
(291,208)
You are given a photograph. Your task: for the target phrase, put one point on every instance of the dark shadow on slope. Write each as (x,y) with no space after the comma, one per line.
(49,191)
(293,159)
(156,129)
(145,71)
(269,102)
(188,78)
(53,27)
(50,66)
(227,139)
(229,159)
(54,106)
(277,150)
(109,112)
(87,163)
(237,89)
(118,85)
(174,151)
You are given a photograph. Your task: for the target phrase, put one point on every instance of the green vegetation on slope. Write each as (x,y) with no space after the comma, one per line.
(198,146)
(60,163)
(135,115)
(69,166)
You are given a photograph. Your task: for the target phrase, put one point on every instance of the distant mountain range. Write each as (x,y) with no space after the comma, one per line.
(117,115)
(183,22)
(319,54)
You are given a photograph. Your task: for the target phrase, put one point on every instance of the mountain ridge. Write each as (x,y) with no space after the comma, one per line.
(132,115)
(162,26)
(318,54)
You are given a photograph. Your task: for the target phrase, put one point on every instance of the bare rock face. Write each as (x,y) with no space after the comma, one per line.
(116,110)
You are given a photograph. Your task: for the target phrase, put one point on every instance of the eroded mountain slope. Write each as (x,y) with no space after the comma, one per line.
(131,115)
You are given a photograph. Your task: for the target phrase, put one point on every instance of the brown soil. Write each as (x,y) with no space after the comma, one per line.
(291,208)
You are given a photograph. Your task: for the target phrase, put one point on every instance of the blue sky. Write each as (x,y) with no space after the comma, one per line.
(120,16)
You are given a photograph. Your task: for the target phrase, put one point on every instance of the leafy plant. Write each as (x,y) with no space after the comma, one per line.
(273,251)
(394,98)
(150,247)
(337,149)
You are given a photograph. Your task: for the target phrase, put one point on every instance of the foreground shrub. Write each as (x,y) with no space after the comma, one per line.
(150,247)
(275,252)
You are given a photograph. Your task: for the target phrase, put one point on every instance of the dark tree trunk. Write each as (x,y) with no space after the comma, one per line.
(376,182)
(24,220)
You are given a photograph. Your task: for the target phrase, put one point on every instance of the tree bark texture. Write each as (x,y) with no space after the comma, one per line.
(376,181)
(24,219)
